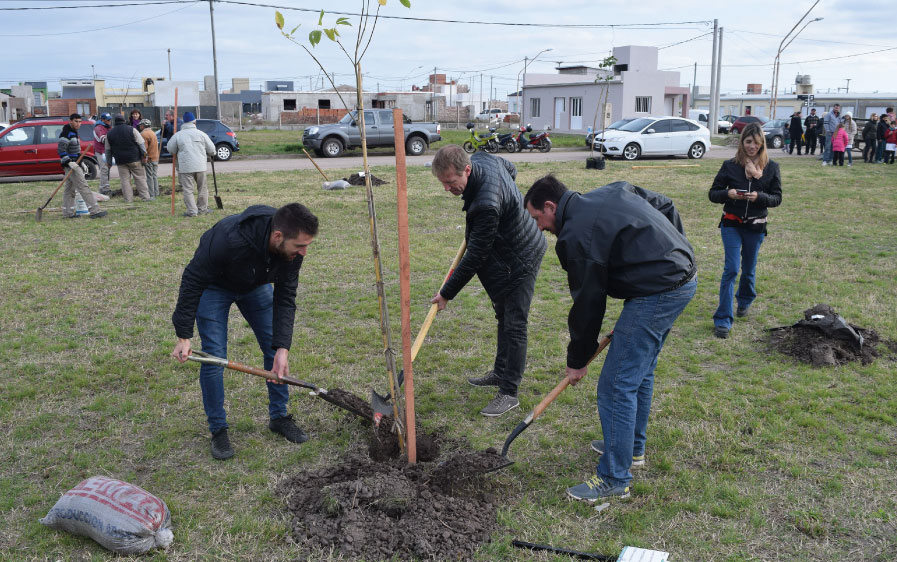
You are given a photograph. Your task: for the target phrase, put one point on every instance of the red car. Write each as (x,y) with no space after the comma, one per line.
(28,148)
(739,123)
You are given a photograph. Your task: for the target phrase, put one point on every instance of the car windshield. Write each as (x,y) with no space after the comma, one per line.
(348,118)
(637,125)
(619,124)
(775,124)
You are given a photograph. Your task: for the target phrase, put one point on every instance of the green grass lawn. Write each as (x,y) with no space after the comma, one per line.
(751,456)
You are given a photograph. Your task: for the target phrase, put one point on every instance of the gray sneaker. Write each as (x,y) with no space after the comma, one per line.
(489,379)
(637,460)
(500,404)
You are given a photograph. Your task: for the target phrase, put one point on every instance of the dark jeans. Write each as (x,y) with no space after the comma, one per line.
(821,145)
(512,313)
(880,151)
(811,142)
(869,151)
(744,244)
(795,142)
(626,385)
(257,307)
(837,158)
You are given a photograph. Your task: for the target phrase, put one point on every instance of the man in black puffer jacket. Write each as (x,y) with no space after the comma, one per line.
(504,249)
(237,261)
(628,243)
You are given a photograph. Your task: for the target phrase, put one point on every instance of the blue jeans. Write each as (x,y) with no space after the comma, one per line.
(880,151)
(827,152)
(849,156)
(626,384)
(746,244)
(257,307)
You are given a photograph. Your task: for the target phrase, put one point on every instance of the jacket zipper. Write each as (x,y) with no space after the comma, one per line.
(748,202)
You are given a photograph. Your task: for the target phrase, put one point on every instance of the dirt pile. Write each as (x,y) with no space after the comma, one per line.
(358,179)
(380,510)
(823,338)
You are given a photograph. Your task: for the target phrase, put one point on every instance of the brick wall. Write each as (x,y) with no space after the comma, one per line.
(65,107)
(311,116)
(456,114)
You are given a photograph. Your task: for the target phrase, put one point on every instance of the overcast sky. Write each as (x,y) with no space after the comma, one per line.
(124,43)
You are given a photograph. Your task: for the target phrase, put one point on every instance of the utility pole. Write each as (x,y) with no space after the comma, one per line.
(522,86)
(169,65)
(215,61)
(94,72)
(714,117)
(847,89)
(713,64)
(433,95)
(694,86)
(481,92)
(490,89)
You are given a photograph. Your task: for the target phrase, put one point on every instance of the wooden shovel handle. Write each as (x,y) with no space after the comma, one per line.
(419,340)
(67,174)
(537,411)
(268,375)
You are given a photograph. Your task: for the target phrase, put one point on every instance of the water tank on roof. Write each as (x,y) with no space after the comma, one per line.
(803,79)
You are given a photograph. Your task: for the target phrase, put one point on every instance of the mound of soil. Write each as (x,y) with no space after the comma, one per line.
(356,179)
(823,338)
(380,510)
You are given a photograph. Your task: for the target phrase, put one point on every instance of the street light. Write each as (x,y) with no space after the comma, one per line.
(782,47)
(520,107)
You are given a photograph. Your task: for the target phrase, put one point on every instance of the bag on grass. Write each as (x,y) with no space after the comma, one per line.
(120,516)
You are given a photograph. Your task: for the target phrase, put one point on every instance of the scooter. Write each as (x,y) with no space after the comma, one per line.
(538,140)
(488,142)
(508,142)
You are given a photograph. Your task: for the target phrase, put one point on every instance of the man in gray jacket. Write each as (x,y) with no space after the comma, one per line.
(830,125)
(125,144)
(192,148)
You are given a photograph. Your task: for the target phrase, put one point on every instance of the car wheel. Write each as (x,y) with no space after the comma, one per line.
(468,147)
(631,151)
(696,151)
(415,146)
(332,148)
(92,169)
(777,142)
(223,152)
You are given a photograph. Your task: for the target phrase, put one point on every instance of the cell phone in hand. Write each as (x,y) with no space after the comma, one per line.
(741,191)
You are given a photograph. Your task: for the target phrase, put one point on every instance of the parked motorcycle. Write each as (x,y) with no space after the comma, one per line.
(487,142)
(539,141)
(508,142)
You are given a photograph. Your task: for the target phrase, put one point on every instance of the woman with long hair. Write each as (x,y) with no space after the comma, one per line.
(135,118)
(746,186)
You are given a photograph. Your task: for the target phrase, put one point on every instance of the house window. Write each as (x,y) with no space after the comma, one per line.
(323,104)
(535,107)
(289,105)
(83,108)
(643,104)
(576,107)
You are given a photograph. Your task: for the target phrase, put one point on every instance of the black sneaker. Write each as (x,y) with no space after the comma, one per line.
(221,448)
(288,428)
(489,379)
(100,215)
(720,332)
(741,312)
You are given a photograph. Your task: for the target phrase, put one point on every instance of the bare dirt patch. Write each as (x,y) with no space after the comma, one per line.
(824,338)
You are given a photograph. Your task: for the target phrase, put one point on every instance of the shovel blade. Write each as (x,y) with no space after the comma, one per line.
(218,202)
(39,214)
(380,404)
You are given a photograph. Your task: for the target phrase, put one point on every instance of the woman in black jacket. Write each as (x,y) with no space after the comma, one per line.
(870,134)
(746,186)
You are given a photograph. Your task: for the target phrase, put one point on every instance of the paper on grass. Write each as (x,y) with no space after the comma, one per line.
(634,554)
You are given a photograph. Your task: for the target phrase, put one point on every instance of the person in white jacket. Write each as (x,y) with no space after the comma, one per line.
(192,148)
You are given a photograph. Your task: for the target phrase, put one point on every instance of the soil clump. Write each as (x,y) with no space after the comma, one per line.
(380,510)
(357,179)
(823,338)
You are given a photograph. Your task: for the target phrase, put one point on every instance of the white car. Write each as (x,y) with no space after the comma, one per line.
(656,136)
(494,114)
(702,116)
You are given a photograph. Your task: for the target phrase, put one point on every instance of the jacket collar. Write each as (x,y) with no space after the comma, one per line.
(559,217)
(190,125)
(474,181)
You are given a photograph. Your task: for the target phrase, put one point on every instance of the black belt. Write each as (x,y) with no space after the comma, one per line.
(686,278)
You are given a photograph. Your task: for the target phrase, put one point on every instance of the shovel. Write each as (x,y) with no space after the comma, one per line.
(335,397)
(379,403)
(40,210)
(537,411)
(218,202)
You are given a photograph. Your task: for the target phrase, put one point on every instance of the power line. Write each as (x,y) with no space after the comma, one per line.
(511,24)
(807,38)
(685,41)
(146,3)
(185,6)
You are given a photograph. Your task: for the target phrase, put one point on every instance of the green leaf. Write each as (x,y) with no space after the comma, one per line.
(382,2)
(314,37)
(278,19)
(343,21)
(321,19)
(406,3)
(331,34)
(294,29)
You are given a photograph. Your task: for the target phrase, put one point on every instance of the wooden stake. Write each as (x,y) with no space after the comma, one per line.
(316,165)
(174,157)
(405,283)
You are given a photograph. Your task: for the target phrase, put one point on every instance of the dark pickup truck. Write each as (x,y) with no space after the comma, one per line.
(332,140)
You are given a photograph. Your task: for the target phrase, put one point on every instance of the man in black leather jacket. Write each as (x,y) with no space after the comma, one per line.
(628,243)
(238,261)
(504,249)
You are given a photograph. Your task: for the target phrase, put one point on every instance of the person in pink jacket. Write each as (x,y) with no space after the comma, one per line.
(839,144)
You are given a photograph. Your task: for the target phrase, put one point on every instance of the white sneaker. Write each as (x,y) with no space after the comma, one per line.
(849,165)
(824,163)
